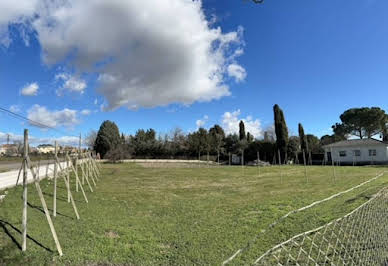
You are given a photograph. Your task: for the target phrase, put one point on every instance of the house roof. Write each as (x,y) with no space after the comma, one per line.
(356,142)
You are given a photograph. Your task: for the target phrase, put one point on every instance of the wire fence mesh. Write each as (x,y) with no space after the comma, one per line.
(358,238)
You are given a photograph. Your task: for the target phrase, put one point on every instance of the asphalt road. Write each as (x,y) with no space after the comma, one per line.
(8,179)
(12,165)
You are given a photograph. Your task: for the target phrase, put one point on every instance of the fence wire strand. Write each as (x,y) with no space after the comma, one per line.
(358,238)
(256,237)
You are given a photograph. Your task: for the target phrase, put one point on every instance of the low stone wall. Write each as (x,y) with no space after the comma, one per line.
(161,161)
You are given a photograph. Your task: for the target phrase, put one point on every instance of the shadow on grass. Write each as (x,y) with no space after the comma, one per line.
(61,198)
(50,210)
(4,224)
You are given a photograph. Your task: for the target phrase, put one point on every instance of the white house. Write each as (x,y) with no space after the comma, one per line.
(357,151)
(46,148)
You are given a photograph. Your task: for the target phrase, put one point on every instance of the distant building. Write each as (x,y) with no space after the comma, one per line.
(357,151)
(46,148)
(2,150)
(68,149)
(9,149)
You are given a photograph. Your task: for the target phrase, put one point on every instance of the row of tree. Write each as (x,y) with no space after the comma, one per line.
(361,122)
(213,143)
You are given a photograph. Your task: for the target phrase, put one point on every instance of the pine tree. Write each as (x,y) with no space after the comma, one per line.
(281,131)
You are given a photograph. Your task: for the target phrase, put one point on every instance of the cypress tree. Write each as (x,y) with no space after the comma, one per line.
(302,138)
(249,137)
(242,130)
(281,131)
(108,137)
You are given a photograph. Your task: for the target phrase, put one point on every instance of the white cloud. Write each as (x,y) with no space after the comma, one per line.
(14,108)
(70,83)
(231,120)
(237,72)
(202,122)
(145,53)
(40,114)
(64,140)
(86,112)
(30,89)
(15,12)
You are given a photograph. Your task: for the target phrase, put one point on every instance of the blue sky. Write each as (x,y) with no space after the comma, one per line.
(313,58)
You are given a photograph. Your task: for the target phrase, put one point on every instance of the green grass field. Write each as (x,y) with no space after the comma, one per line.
(179,216)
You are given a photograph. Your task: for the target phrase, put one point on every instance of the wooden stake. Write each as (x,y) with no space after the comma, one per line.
(77,179)
(94,168)
(87,180)
(258,161)
(305,168)
(55,184)
(242,158)
(38,167)
(24,215)
(68,188)
(82,171)
(40,194)
(20,171)
(68,179)
(78,157)
(280,160)
(85,172)
(332,163)
(76,170)
(47,167)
